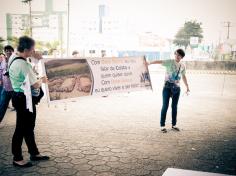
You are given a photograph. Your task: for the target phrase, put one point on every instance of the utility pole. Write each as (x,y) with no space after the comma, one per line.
(219,37)
(228,25)
(68,27)
(30,19)
(30,16)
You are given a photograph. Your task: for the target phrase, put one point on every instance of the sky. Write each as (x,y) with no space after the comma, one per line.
(162,17)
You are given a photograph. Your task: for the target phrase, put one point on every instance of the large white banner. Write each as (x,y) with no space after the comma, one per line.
(70,78)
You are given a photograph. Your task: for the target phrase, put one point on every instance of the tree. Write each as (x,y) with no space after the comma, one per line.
(27,32)
(190,29)
(13,41)
(52,46)
(40,46)
(30,16)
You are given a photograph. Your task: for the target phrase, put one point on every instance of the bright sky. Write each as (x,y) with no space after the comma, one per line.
(163,17)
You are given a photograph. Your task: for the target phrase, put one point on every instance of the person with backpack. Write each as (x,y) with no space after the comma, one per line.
(174,70)
(19,71)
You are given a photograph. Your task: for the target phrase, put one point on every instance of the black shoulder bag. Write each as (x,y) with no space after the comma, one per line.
(36,99)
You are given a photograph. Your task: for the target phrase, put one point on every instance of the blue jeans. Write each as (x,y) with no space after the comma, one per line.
(4,102)
(1,87)
(166,95)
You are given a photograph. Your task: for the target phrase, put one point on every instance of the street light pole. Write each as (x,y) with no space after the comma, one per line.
(30,20)
(30,16)
(228,25)
(68,27)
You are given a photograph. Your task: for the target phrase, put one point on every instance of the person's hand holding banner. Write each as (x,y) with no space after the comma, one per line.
(146,63)
(44,79)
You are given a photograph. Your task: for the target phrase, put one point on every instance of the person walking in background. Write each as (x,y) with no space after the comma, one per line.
(75,54)
(7,90)
(2,57)
(19,70)
(174,70)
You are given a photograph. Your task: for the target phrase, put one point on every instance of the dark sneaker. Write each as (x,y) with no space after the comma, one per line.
(163,130)
(39,158)
(175,128)
(26,164)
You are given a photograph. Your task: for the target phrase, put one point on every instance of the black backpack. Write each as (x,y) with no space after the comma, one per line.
(35,99)
(7,72)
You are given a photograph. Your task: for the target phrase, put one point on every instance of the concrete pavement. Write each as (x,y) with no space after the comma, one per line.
(119,135)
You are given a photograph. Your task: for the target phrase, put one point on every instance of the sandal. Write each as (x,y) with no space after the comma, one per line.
(26,164)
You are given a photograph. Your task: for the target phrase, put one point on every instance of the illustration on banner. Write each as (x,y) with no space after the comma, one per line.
(68,78)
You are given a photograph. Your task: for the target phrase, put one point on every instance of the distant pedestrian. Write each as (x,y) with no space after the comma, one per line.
(19,71)
(75,54)
(7,90)
(174,70)
(2,57)
(103,53)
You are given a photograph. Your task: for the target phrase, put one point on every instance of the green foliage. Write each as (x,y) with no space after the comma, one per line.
(27,32)
(51,46)
(1,40)
(40,46)
(1,44)
(13,41)
(190,29)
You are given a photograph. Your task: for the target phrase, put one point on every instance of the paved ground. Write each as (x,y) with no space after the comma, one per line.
(119,135)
